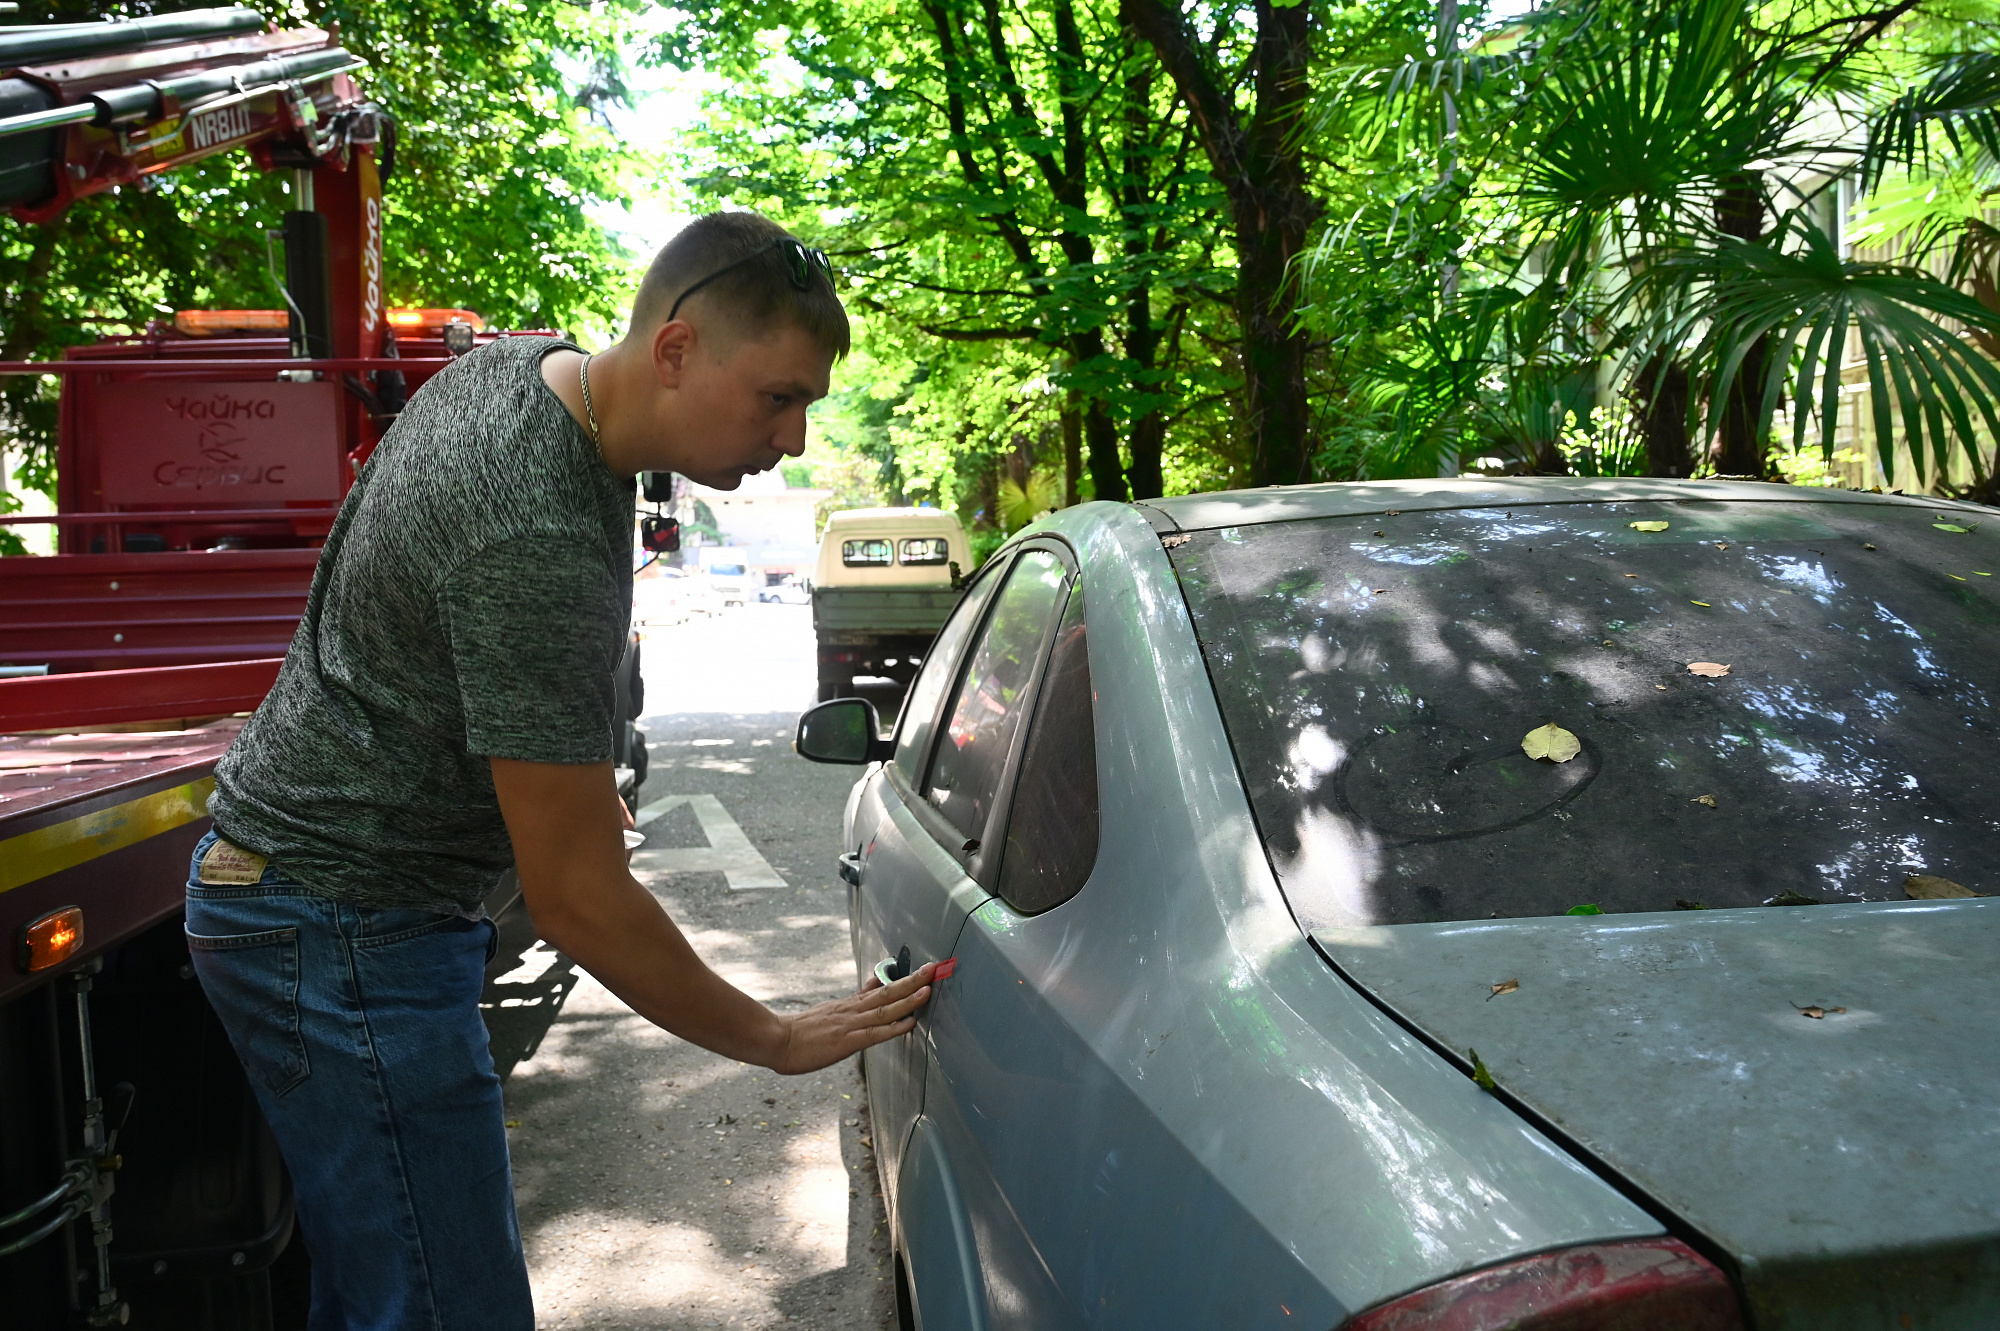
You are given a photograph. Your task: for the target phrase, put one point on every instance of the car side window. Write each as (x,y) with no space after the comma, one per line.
(965,772)
(913,736)
(1052,827)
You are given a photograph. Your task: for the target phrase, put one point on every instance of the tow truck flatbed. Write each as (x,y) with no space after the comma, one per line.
(82,811)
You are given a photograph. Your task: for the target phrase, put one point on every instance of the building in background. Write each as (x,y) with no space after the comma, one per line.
(772,523)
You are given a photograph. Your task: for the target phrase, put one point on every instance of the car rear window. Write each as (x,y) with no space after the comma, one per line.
(1379,674)
(926,550)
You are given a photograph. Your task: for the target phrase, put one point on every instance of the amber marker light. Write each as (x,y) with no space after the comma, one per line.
(217,323)
(52,939)
(430,321)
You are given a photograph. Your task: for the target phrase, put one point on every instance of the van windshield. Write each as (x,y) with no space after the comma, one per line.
(1769,704)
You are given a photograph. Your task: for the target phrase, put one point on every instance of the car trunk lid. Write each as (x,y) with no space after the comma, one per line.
(1815,1090)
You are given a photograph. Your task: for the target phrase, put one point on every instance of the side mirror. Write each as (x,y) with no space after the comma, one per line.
(842,731)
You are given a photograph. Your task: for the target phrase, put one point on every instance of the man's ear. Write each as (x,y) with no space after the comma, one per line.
(673,343)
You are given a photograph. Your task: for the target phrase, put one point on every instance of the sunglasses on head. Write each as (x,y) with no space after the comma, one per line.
(800,265)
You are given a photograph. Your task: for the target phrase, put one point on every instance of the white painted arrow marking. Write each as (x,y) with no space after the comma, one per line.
(728,851)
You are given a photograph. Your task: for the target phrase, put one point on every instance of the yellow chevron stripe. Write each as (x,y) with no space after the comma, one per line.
(48,850)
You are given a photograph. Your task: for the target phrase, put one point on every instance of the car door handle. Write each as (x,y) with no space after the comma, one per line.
(891,969)
(850,868)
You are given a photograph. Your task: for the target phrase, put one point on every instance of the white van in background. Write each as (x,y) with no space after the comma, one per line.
(886,580)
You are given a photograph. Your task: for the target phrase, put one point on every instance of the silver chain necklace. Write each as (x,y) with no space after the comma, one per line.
(583,374)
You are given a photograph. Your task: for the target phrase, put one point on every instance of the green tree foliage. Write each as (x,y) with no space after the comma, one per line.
(1644,197)
(498,163)
(1059,218)
(1015,198)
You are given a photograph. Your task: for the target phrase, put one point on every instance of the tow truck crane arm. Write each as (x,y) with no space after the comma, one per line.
(87,107)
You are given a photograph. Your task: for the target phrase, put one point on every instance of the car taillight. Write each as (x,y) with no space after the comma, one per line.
(1647,1285)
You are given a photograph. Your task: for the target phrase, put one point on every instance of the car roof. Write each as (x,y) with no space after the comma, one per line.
(1289,503)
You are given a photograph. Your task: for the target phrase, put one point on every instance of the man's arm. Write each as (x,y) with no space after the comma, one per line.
(564,822)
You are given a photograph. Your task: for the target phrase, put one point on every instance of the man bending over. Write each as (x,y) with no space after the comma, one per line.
(446,711)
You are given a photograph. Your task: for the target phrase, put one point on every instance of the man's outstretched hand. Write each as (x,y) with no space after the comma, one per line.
(828,1032)
(564,821)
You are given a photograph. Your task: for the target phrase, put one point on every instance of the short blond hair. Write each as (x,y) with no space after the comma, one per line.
(748,299)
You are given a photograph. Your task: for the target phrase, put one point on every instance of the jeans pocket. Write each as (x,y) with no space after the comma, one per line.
(252,982)
(382,927)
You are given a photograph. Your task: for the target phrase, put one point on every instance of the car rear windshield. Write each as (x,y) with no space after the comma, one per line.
(1777,703)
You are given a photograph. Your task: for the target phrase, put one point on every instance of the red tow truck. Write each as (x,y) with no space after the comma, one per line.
(201,465)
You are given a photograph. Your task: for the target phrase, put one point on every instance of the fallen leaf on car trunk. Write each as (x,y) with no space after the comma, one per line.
(1585,909)
(1709,800)
(1504,987)
(1707,669)
(1951,526)
(1703,604)
(1648,526)
(1480,1076)
(1929,887)
(1551,742)
(1817,1013)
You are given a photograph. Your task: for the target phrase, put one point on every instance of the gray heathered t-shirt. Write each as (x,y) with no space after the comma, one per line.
(472,602)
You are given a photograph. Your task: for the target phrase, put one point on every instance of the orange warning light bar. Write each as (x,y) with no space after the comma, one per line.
(217,323)
(429,321)
(52,939)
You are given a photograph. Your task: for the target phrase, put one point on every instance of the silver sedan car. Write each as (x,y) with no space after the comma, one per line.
(1455,905)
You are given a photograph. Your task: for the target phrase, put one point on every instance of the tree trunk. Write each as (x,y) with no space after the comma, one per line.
(1100,437)
(1663,407)
(1260,163)
(1149,437)
(1740,448)
(1274,357)
(1072,437)
(1142,336)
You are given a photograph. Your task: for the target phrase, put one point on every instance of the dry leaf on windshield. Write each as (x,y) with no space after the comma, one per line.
(1707,669)
(1504,987)
(1551,742)
(1709,800)
(1816,1012)
(1929,887)
(1648,526)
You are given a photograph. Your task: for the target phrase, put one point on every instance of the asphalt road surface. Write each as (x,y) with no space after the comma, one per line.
(661,1186)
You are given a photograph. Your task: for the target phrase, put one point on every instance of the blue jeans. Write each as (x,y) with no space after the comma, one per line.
(360,1030)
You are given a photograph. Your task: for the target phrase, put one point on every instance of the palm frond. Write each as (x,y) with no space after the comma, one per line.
(1792,294)
(1962,99)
